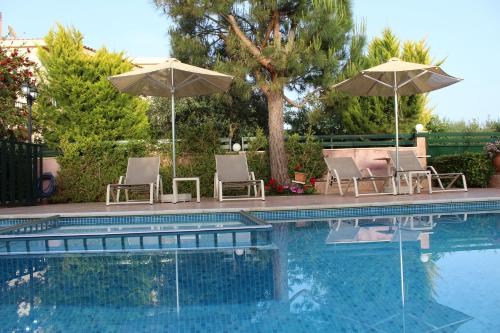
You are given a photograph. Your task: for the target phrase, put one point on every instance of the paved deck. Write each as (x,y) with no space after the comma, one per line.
(272,203)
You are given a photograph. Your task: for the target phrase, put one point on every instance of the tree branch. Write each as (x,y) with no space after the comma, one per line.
(265,62)
(304,101)
(268,33)
(277,32)
(291,36)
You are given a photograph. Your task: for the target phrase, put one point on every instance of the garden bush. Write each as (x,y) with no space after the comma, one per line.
(198,144)
(308,155)
(87,166)
(477,167)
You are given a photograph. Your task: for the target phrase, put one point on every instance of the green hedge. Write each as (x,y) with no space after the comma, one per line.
(476,167)
(87,166)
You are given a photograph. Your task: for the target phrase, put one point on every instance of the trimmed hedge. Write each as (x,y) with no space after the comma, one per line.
(87,166)
(476,166)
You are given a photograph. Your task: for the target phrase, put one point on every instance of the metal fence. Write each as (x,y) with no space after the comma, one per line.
(20,166)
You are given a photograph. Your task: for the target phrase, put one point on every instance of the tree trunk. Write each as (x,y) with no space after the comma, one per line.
(277,154)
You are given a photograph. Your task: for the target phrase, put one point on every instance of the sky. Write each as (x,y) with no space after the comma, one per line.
(463,32)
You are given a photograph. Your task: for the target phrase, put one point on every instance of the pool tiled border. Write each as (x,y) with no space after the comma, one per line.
(272,215)
(378,211)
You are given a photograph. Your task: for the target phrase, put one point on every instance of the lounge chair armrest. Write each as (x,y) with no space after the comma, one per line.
(367,171)
(121,180)
(432,170)
(252,175)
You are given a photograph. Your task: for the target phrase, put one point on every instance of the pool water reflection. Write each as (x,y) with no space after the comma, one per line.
(336,275)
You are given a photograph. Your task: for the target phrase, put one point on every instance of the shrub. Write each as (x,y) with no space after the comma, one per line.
(307,154)
(476,167)
(86,167)
(257,156)
(198,144)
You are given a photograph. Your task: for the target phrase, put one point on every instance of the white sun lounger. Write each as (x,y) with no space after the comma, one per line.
(232,173)
(344,170)
(143,175)
(410,167)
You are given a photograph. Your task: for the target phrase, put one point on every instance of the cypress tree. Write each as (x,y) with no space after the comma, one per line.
(76,100)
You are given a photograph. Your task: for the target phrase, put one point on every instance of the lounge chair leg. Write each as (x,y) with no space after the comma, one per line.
(328,180)
(216,188)
(151,193)
(465,183)
(356,193)
(108,193)
(429,181)
(262,190)
(340,187)
(394,189)
(220,191)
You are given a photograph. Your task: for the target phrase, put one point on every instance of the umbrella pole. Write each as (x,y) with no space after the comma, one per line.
(398,183)
(173,134)
(172,97)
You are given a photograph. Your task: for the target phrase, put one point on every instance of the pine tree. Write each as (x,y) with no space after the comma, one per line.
(272,46)
(76,100)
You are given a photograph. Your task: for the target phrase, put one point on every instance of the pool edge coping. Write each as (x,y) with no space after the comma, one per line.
(247,209)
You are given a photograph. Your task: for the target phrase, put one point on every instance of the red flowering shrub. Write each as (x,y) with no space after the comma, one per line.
(15,69)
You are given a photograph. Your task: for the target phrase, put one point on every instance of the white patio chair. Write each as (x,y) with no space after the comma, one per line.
(410,167)
(232,173)
(343,170)
(143,175)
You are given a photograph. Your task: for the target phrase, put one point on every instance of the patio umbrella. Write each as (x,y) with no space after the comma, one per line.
(173,79)
(397,78)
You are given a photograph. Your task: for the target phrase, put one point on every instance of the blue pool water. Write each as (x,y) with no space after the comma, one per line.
(422,272)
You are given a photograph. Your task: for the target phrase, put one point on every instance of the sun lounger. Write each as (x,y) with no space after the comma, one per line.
(232,173)
(143,176)
(410,167)
(344,170)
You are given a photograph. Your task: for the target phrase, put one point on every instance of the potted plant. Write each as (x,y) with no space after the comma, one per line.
(493,151)
(300,176)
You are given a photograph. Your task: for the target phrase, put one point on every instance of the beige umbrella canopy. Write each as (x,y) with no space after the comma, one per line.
(397,78)
(172,78)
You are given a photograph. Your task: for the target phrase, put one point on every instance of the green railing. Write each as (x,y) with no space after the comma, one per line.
(455,143)
(353,141)
(20,165)
(365,140)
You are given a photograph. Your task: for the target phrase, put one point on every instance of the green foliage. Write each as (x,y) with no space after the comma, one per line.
(308,154)
(87,167)
(438,124)
(15,69)
(477,167)
(267,46)
(76,98)
(257,156)
(232,115)
(198,144)
(344,114)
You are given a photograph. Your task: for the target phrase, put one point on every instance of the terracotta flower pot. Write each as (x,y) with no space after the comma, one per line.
(300,177)
(496,163)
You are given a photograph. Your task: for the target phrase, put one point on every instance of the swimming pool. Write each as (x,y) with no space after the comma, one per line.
(412,269)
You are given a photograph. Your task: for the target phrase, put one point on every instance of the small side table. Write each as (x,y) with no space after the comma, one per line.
(184,179)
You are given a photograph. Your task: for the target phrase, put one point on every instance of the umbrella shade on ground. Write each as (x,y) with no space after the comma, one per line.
(173,79)
(397,78)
